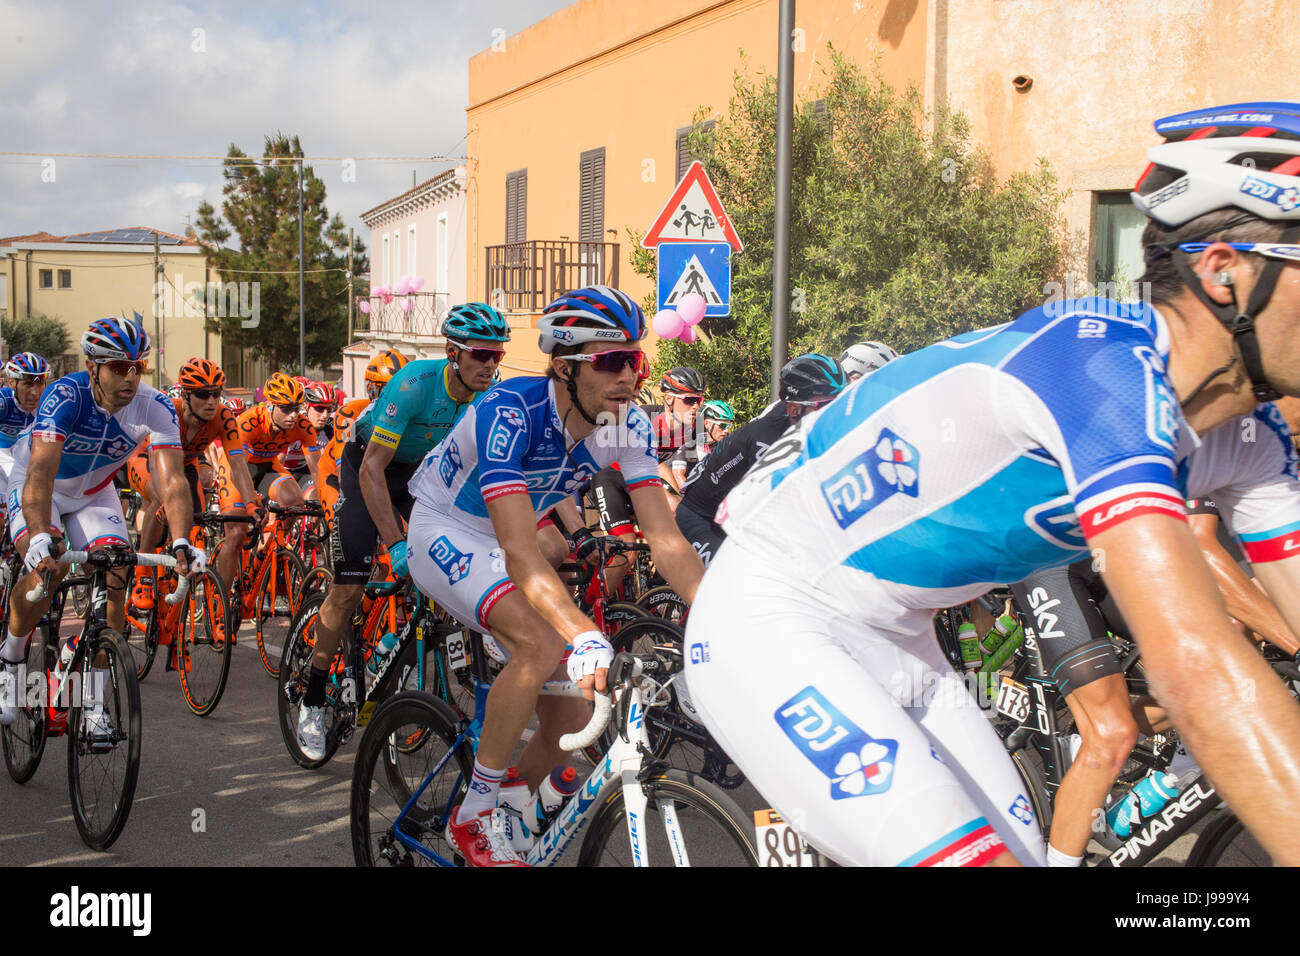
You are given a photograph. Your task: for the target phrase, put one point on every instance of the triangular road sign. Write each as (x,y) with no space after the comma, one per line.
(693,214)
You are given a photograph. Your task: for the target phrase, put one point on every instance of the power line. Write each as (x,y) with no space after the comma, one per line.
(237,160)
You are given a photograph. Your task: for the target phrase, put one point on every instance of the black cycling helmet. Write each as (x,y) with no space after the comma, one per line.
(682,380)
(812,378)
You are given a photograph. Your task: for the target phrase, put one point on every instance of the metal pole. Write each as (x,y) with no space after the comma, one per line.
(781,231)
(157,331)
(302,288)
(351,302)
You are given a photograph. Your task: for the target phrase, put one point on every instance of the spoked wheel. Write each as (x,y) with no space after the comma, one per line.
(204,654)
(387,776)
(1226,842)
(275,605)
(24,739)
(104,741)
(295,667)
(141,634)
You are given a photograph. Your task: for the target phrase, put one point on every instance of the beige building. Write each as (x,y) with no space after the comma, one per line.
(576,126)
(85,276)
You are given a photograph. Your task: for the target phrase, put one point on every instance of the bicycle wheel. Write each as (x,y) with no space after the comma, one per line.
(1227,842)
(317,580)
(80,593)
(140,634)
(386,776)
(204,658)
(24,740)
(295,668)
(664,602)
(685,815)
(104,755)
(1028,766)
(274,607)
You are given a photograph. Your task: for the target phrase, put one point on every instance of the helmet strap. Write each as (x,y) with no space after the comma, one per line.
(570,382)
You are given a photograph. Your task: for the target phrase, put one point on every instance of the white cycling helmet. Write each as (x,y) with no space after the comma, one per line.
(866,357)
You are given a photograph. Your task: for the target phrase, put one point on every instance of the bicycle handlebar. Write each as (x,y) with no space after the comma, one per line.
(307,510)
(148,560)
(587,735)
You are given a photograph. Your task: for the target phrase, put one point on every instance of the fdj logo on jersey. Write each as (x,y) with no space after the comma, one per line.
(454,564)
(888,468)
(857,764)
(506,429)
(449,464)
(1057,521)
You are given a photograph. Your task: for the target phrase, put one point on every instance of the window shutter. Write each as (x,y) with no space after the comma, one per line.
(591,195)
(517,206)
(684,155)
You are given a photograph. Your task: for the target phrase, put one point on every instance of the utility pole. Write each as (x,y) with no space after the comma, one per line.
(157,311)
(302,285)
(781,231)
(351,302)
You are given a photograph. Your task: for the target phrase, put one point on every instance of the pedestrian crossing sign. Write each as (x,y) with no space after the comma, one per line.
(702,267)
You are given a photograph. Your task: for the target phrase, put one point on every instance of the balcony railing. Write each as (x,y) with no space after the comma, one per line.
(423,315)
(525,276)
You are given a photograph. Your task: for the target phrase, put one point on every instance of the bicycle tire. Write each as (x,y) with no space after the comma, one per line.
(205,646)
(666,603)
(607,842)
(317,580)
(280,580)
(378,797)
(1227,842)
(1027,765)
(295,666)
(98,825)
(23,740)
(140,634)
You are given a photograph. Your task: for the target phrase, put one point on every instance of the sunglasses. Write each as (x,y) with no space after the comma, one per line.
(691,400)
(484,355)
(615,360)
(322,408)
(814,404)
(289,409)
(1271,250)
(32,379)
(124,368)
(205,394)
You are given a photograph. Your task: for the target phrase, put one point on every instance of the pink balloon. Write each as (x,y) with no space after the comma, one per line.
(387,296)
(668,324)
(403,286)
(364,306)
(689,334)
(407,305)
(416,284)
(381,291)
(691,308)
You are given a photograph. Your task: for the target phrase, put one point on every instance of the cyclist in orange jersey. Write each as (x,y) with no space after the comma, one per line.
(378,372)
(268,430)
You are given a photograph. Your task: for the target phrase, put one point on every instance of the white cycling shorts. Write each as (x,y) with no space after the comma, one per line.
(6,466)
(464,570)
(859,734)
(89,520)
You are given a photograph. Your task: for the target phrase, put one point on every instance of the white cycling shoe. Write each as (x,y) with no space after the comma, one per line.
(311,732)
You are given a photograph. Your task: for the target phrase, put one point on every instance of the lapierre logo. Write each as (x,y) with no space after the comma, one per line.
(1045,620)
(454,564)
(1126,505)
(1188,801)
(888,468)
(856,763)
(76,909)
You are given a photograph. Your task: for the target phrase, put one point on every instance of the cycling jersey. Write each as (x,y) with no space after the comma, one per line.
(708,483)
(263,442)
(414,411)
(328,469)
(670,435)
(12,417)
(294,458)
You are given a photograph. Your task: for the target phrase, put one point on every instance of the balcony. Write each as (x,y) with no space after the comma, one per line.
(526,276)
(414,316)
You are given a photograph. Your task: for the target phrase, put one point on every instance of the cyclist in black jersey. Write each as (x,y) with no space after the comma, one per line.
(807,383)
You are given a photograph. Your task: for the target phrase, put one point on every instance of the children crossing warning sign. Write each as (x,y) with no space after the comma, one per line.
(693,213)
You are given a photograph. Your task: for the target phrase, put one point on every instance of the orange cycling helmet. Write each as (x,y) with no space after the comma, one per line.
(384,366)
(201,373)
(280,389)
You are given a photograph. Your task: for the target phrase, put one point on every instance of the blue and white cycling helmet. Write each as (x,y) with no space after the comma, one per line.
(594,314)
(475,320)
(115,339)
(26,365)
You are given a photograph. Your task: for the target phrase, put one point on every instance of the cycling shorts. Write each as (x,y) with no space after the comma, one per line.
(6,466)
(839,707)
(266,476)
(353,535)
(705,536)
(613,502)
(89,520)
(463,570)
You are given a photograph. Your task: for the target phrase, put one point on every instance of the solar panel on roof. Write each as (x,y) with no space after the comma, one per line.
(129,235)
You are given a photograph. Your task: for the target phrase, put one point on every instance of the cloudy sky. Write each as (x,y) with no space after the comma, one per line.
(372,78)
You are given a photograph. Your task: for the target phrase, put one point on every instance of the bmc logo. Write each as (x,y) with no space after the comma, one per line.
(856,763)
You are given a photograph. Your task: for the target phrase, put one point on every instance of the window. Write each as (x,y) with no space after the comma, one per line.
(517,206)
(411,269)
(386,268)
(1117,256)
(65,278)
(684,155)
(591,196)
(397,254)
(442,279)
(47,278)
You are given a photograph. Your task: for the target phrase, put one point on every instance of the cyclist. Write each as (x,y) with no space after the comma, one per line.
(526,447)
(718,417)
(378,372)
(64,461)
(859,361)
(203,419)
(25,377)
(271,427)
(1083,424)
(321,404)
(807,383)
(418,406)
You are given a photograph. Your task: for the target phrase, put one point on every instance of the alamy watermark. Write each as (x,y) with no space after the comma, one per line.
(195,300)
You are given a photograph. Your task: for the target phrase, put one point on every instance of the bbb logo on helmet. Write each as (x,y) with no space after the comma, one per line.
(608,334)
(1172,191)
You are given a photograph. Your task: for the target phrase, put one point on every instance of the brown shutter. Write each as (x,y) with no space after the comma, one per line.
(591,195)
(684,154)
(517,206)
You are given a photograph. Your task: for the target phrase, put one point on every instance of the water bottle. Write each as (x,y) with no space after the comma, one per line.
(65,658)
(1002,628)
(559,785)
(381,652)
(513,798)
(1010,642)
(969,642)
(1146,799)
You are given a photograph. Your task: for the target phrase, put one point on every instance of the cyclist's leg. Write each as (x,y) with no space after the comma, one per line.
(705,536)
(99,523)
(231,503)
(805,701)
(24,615)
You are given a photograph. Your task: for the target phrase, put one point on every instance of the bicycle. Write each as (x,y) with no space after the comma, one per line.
(104,739)
(400,810)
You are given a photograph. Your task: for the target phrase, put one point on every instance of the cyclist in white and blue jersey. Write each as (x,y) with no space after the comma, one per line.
(521,451)
(1081,425)
(25,374)
(86,427)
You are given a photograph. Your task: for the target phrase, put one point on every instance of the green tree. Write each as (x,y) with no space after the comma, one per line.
(899,232)
(260,210)
(45,335)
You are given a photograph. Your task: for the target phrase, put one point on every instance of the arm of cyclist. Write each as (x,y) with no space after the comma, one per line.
(676,560)
(38,492)
(168,465)
(374,489)
(313,465)
(1246,602)
(1237,718)
(514,523)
